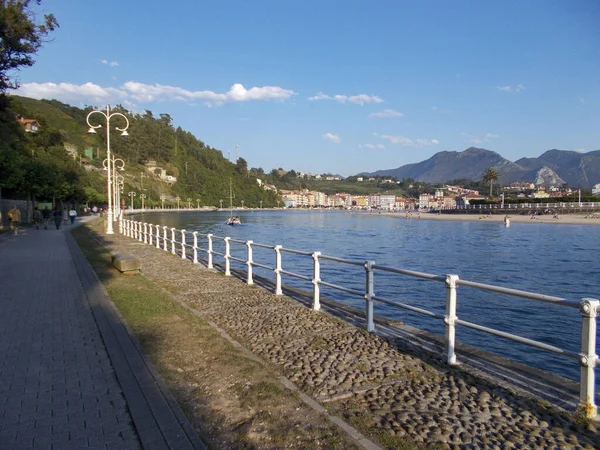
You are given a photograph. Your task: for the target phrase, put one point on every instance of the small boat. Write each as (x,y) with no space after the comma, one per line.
(232,220)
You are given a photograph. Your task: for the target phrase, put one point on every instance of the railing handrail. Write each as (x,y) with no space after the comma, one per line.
(589,308)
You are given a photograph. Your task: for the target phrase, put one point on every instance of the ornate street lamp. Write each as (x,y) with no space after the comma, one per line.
(177,199)
(198,203)
(117,164)
(242,204)
(221,202)
(162,199)
(189,200)
(261,204)
(142,196)
(131,194)
(107,117)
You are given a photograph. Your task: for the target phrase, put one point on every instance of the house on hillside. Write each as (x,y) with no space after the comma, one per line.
(596,189)
(29,125)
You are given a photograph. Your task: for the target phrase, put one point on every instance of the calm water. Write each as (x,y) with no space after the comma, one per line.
(560,260)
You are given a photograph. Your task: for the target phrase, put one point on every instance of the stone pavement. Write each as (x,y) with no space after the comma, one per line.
(71,375)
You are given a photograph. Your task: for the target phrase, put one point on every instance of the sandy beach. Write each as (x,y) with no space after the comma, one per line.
(567,219)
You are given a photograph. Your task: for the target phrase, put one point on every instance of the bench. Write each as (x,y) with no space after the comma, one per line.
(126,263)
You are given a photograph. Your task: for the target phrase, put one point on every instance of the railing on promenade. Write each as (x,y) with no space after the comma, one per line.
(528,206)
(191,245)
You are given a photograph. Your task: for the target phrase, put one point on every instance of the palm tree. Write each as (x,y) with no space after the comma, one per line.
(489,176)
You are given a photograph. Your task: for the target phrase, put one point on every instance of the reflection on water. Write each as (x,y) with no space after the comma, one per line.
(560,260)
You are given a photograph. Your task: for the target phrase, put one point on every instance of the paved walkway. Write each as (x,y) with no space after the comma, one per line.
(71,376)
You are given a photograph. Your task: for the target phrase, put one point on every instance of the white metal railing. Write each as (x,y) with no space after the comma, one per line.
(588,307)
(536,206)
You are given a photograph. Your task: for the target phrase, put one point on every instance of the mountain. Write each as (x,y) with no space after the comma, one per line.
(554,167)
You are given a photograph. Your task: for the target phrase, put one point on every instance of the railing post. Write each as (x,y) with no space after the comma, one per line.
(195,234)
(141,235)
(209,252)
(120,224)
(157,236)
(135,229)
(249,262)
(227,255)
(315,281)
(125,225)
(450,319)
(165,239)
(150,227)
(173,240)
(588,308)
(130,228)
(182,244)
(145,233)
(369,294)
(278,290)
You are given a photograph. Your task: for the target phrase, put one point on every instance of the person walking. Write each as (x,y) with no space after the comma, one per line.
(37,218)
(45,216)
(72,215)
(58,215)
(14,215)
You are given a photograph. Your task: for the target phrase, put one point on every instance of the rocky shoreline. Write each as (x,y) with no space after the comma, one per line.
(388,393)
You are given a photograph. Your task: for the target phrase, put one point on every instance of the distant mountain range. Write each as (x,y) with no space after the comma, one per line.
(554,167)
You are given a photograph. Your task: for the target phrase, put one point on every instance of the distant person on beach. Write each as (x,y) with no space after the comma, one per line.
(72,215)
(45,216)
(14,215)
(95,209)
(37,218)
(58,215)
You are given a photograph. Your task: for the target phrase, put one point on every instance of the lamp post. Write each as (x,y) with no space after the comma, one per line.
(117,164)
(502,195)
(107,116)
(118,191)
(221,202)
(177,199)
(142,196)
(131,195)
(278,203)
(261,204)
(242,201)
(189,200)
(162,199)
(198,203)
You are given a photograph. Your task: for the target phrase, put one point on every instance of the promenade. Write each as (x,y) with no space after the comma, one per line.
(71,376)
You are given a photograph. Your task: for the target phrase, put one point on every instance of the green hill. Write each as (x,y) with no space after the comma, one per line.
(201,171)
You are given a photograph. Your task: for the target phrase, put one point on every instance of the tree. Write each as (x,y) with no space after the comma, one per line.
(489,176)
(20,37)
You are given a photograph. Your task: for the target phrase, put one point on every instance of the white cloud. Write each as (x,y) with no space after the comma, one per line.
(509,88)
(146,93)
(434,108)
(407,142)
(480,139)
(71,92)
(237,93)
(386,113)
(360,99)
(372,146)
(109,63)
(332,137)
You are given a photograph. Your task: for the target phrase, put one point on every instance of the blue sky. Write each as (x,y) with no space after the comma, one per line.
(337,86)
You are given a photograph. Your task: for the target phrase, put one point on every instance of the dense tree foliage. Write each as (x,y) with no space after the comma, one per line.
(20,37)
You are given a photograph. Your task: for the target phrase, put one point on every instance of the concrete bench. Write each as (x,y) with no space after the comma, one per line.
(126,263)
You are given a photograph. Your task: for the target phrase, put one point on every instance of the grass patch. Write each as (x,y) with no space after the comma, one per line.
(233,401)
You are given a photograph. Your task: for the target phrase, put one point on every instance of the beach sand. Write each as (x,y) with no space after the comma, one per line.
(567,219)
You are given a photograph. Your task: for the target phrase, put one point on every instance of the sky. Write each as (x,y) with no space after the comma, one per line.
(338,87)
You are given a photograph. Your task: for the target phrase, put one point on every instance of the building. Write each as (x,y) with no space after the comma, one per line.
(596,190)
(29,125)
(387,201)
